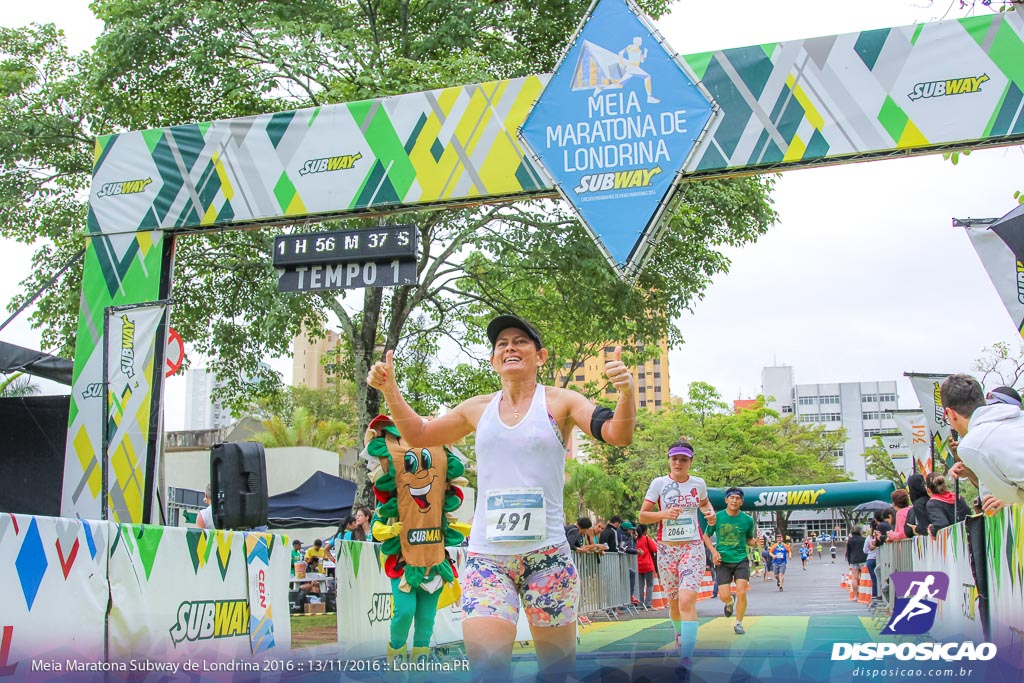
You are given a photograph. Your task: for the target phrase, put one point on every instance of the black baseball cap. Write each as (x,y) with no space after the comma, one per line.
(503,322)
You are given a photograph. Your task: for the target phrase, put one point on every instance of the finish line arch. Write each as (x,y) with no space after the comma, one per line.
(806,496)
(780,106)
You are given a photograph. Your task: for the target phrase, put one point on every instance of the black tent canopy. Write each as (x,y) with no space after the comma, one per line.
(321,500)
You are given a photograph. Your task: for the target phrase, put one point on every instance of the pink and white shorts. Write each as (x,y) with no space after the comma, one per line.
(681,567)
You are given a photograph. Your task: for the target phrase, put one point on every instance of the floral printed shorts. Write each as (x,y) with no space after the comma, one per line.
(545,580)
(681,567)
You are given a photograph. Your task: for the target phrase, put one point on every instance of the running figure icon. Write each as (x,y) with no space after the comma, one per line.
(916,606)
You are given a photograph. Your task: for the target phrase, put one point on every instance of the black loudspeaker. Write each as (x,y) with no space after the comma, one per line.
(238,481)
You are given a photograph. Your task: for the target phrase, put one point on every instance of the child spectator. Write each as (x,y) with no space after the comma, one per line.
(901,501)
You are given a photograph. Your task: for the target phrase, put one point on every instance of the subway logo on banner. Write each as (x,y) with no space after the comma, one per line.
(950,86)
(206,619)
(774,498)
(124,187)
(1020,282)
(619,180)
(339,163)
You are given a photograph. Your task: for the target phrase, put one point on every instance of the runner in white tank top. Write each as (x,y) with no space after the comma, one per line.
(518,552)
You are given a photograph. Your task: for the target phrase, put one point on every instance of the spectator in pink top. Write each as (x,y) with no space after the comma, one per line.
(900,501)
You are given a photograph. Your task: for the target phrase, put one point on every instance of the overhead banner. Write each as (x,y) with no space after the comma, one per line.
(616,123)
(807,497)
(926,387)
(1000,247)
(888,92)
(131,360)
(898,450)
(914,430)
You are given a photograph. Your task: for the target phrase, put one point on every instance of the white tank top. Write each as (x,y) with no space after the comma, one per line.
(528,455)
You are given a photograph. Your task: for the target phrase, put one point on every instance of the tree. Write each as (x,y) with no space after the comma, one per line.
(751,447)
(588,487)
(18,384)
(164,62)
(999,362)
(302,429)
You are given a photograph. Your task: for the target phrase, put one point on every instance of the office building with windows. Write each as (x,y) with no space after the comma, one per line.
(864,409)
(203,409)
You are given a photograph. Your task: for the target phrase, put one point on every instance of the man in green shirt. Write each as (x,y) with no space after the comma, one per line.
(734,531)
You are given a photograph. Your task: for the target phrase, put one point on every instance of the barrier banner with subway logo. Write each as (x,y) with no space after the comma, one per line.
(806,497)
(365,604)
(180,595)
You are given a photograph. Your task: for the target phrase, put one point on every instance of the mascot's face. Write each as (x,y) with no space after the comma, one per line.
(417,474)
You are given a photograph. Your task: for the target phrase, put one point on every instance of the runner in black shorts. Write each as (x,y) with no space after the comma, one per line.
(734,531)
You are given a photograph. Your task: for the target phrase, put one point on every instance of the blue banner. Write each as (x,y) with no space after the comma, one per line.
(614,126)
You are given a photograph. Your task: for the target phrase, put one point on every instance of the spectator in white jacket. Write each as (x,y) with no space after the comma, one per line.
(991,447)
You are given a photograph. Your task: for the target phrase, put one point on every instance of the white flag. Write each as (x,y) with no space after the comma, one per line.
(898,449)
(1000,247)
(914,430)
(927,389)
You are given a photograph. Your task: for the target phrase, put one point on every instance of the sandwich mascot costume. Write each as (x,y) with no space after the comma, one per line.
(416,491)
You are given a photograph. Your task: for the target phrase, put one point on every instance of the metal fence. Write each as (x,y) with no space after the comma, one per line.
(604,581)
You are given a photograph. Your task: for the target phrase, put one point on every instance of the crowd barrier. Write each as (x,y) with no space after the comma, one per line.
(984,560)
(604,580)
(99,592)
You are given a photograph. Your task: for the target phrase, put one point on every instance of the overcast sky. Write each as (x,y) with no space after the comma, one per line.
(862,279)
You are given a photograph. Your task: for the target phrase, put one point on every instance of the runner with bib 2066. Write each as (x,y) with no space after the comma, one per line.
(678,496)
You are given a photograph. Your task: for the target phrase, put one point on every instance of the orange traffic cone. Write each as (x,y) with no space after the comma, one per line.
(658,599)
(707,586)
(864,589)
(843,582)
(852,583)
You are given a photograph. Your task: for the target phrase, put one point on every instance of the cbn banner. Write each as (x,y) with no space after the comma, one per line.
(927,389)
(898,449)
(1000,247)
(914,429)
(53,583)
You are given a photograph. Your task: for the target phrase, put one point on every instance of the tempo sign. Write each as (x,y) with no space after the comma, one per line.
(368,244)
(321,277)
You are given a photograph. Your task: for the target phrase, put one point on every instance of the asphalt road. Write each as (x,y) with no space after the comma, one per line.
(807,592)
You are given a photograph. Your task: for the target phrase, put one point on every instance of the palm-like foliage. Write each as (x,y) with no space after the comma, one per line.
(18,384)
(302,429)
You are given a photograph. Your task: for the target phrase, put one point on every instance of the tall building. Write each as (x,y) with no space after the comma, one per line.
(650,382)
(203,410)
(308,369)
(650,379)
(864,409)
